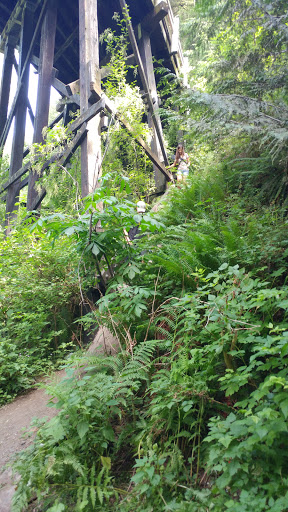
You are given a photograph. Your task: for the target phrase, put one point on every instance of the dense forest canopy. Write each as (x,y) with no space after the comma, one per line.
(192,414)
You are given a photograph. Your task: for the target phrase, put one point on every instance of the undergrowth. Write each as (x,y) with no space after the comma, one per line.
(191,415)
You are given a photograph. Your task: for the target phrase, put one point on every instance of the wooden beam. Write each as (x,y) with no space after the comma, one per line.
(30,110)
(60,87)
(175,36)
(13,25)
(69,62)
(66,44)
(68,150)
(87,115)
(47,45)
(155,116)
(20,113)
(73,87)
(6,80)
(26,64)
(97,95)
(153,18)
(147,59)
(89,72)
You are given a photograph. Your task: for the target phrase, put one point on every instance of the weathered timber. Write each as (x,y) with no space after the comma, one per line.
(66,44)
(68,150)
(44,86)
(6,80)
(96,94)
(13,26)
(151,21)
(89,72)
(147,59)
(20,113)
(155,116)
(62,160)
(30,110)
(73,87)
(87,115)
(60,87)
(26,168)
(26,64)
(175,36)
(68,100)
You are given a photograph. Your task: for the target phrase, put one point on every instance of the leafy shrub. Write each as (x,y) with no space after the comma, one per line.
(37,303)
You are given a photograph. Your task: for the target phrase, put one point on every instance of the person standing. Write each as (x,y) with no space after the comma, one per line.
(182,160)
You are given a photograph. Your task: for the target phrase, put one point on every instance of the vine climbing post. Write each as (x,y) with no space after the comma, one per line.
(89,74)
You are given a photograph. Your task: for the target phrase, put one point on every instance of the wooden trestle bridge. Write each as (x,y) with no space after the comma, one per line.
(60,38)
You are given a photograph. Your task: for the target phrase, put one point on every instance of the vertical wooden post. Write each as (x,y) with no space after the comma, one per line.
(6,80)
(20,112)
(89,73)
(144,44)
(47,45)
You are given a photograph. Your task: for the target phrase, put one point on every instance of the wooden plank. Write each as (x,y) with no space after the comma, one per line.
(97,94)
(151,21)
(47,45)
(89,72)
(175,36)
(15,177)
(147,59)
(26,63)
(155,116)
(6,80)
(73,87)
(20,113)
(60,87)
(87,115)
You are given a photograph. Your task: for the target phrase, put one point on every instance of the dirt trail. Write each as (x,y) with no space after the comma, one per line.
(16,417)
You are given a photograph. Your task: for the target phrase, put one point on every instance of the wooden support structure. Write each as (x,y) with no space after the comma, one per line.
(78,80)
(89,72)
(44,87)
(97,95)
(20,112)
(155,117)
(147,60)
(6,80)
(151,21)
(25,65)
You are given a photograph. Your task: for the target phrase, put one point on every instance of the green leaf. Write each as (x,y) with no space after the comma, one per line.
(82,428)
(95,249)
(106,462)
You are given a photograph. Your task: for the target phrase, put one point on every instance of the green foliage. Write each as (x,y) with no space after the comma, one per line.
(37,302)
(196,407)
